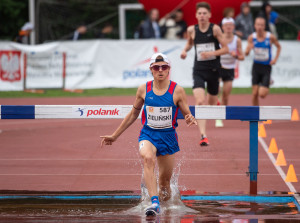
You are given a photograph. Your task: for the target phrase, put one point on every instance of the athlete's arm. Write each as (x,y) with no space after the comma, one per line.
(190,42)
(181,101)
(129,119)
(240,55)
(274,40)
(249,45)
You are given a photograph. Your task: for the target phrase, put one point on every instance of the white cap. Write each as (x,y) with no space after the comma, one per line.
(164,58)
(27,26)
(227,20)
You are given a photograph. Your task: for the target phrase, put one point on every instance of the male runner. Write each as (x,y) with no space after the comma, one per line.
(228,61)
(261,42)
(158,139)
(206,37)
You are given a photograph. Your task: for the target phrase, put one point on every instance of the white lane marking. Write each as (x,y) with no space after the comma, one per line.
(278,168)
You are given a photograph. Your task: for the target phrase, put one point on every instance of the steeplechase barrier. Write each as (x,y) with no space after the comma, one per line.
(252,114)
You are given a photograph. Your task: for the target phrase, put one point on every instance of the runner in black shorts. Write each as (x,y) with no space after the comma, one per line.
(261,43)
(211,77)
(206,38)
(261,74)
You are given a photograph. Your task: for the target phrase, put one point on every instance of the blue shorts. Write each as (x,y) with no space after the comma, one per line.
(166,142)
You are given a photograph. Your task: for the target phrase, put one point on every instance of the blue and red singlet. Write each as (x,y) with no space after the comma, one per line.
(159,119)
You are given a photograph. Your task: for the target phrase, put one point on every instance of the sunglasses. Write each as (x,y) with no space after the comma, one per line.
(163,67)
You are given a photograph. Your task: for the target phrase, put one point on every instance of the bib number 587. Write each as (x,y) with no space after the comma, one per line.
(163,110)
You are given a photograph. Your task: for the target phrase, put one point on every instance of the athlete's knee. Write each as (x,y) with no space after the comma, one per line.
(262,95)
(200,101)
(149,160)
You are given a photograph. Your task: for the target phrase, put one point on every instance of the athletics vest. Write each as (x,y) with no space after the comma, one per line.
(228,61)
(160,112)
(205,42)
(262,50)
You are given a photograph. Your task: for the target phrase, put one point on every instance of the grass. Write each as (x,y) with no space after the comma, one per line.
(121,91)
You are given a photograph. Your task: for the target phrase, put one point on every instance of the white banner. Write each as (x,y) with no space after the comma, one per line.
(116,63)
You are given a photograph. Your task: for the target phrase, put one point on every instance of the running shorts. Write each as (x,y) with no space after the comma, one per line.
(211,77)
(226,74)
(261,74)
(166,142)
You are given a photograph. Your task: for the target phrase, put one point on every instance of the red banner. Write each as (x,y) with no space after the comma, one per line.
(189,8)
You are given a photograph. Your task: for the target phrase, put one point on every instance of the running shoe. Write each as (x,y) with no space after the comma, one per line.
(153,210)
(219,123)
(204,142)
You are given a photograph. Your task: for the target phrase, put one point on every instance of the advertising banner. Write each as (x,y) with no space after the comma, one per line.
(123,64)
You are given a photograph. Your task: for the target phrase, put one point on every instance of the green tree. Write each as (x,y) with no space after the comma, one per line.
(14,14)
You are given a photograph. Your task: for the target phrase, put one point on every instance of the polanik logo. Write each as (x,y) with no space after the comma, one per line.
(81,111)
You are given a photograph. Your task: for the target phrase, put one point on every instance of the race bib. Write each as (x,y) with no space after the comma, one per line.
(227,59)
(261,54)
(159,117)
(205,47)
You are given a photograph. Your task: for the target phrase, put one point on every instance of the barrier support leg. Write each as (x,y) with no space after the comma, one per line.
(253,157)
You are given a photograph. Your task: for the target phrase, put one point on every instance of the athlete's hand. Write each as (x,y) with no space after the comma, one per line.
(233,54)
(206,55)
(190,120)
(107,140)
(272,62)
(183,54)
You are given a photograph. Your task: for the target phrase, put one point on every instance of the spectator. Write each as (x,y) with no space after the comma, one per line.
(150,28)
(173,26)
(270,17)
(272,23)
(244,22)
(24,33)
(228,12)
(106,32)
(79,32)
(180,24)
(168,26)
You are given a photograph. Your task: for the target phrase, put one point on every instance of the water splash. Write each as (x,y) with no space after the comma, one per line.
(174,206)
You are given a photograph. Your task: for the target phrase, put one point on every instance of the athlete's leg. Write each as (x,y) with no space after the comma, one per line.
(263,91)
(166,165)
(220,90)
(148,153)
(199,94)
(255,101)
(227,87)
(212,99)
